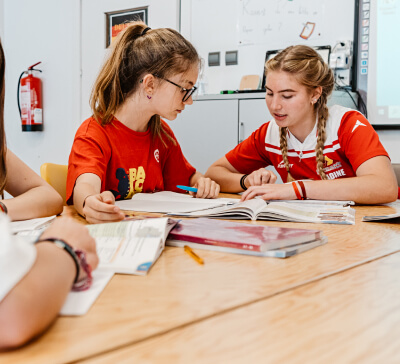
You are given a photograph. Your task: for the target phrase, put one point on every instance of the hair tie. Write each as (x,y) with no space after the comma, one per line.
(145,31)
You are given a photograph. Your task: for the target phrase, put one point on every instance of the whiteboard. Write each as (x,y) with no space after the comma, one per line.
(255,26)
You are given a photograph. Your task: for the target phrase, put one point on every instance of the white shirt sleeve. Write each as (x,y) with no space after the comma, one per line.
(17,256)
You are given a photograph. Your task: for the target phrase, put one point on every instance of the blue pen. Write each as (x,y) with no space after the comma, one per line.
(187,188)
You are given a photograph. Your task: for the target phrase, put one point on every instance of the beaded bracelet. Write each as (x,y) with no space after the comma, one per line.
(80,261)
(3,207)
(242,182)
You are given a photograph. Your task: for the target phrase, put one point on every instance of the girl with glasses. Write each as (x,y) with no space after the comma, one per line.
(325,153)
(125,147)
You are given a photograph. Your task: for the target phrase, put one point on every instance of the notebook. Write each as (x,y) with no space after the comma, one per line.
(240,235)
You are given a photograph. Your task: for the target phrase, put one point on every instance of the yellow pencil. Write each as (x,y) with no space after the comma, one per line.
(189,251)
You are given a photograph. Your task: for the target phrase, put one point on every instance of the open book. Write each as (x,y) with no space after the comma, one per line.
(177,204)
(396,214)
(300,211)
(244,238)
(130,246)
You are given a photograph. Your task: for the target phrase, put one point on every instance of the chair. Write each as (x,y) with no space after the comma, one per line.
(56,176)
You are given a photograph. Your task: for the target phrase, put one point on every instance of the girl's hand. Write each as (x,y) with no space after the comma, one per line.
(270,192)
(100,208)
(260,177)
(76,235)
(206,188)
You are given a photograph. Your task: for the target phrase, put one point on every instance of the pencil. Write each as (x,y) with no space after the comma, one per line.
(189,251)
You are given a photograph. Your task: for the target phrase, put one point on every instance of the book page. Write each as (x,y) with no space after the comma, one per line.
(78,303)
(318,213)
(169,202)
(130,247)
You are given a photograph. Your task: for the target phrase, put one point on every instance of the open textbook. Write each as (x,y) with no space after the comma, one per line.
(257,209)
(396,214)
(130,246)
(177,204)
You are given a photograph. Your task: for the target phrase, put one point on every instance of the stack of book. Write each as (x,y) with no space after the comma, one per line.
(243,238)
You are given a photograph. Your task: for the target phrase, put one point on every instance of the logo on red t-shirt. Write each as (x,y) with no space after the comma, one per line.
(157,155)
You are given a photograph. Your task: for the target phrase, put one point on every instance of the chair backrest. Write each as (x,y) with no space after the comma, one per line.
(56,176)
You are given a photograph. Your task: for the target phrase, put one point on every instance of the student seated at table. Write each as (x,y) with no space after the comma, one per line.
(125,148)
(335,150)
(34,279)
(32,196)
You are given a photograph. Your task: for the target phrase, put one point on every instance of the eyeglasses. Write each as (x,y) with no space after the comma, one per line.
(188,92)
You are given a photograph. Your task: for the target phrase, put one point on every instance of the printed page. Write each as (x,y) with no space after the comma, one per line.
(169,202)
(32,224)
(130,247)
(78,303)
(318,213)
(238,210)
(395,214)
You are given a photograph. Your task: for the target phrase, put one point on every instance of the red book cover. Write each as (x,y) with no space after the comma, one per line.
(240,235)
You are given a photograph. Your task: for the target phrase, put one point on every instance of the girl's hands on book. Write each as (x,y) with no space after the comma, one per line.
(206,188)
(260,177)
(100,208)
(270,192)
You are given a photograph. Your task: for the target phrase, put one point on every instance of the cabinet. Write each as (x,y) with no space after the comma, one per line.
(215,124)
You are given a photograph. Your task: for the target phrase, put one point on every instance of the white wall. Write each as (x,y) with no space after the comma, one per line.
(50,31)
(47,31)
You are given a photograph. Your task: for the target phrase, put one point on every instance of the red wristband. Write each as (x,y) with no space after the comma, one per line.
(303,189)
(296,191)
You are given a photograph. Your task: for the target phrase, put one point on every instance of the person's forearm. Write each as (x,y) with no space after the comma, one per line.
(228,181)
(35,301)
(37,202)
(369,189)
(81,191)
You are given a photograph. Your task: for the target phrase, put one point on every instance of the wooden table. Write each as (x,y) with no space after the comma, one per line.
(335,303)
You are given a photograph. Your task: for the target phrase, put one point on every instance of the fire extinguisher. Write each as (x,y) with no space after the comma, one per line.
(30,100)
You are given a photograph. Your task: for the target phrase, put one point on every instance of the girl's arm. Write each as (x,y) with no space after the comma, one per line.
(33,197)
(96,207)
(375,184)
(229,177)
(31,306)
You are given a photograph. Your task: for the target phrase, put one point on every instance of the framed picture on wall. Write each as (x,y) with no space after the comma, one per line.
(117,21)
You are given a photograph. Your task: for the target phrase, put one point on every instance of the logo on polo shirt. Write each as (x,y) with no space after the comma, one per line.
(282,165)
(358,123)
(157,155)
(328,161)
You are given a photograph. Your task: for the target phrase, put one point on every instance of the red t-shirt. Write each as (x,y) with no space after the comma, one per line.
(350,141)
(126,161)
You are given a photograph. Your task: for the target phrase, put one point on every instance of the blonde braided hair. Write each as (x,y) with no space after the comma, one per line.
(307,66)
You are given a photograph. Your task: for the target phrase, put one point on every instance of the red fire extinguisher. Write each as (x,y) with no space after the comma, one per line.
(30,100)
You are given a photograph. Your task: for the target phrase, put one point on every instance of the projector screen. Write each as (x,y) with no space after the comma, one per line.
(378,73)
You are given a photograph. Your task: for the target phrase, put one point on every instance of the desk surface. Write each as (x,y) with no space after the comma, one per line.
(234,297)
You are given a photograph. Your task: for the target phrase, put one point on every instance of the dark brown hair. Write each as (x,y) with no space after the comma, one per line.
(310,70)
(3,146)
(162,52)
